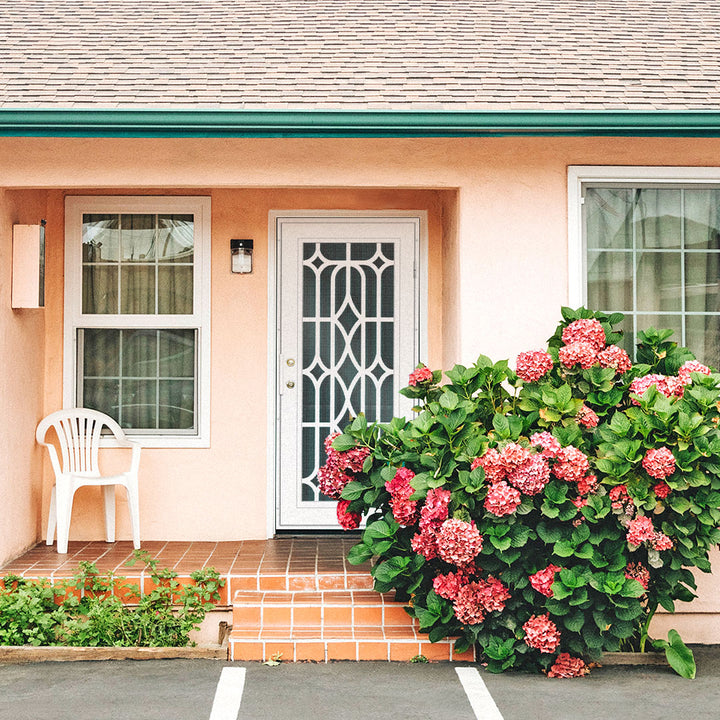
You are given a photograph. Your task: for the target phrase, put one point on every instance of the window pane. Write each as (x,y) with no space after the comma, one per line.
(702,278)
(608,217)
(139,405)
(139,357)
(137,238)
(702,336)
(144,378)
(177,404)
(101,352)
(702,224)
(100,291)
(175,238)
(137,289)
(658,281)
(659,215)
(609,280)
(100,238)
(175,289)
(177,353)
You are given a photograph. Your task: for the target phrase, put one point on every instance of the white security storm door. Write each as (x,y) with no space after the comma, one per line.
(348,304)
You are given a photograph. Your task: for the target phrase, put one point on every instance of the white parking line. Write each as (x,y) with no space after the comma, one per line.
(477,693)
(228,694)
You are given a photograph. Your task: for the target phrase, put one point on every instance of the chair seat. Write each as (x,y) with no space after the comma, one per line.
(92,479)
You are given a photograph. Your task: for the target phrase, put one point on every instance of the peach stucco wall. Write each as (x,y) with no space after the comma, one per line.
(498,243)
(22,340)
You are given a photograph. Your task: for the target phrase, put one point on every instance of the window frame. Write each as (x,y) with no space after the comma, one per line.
(199,206)
(581,176)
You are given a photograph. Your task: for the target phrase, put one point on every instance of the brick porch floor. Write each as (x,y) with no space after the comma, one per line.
(292,595)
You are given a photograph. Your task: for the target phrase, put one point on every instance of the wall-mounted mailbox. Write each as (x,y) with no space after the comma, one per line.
(28,278)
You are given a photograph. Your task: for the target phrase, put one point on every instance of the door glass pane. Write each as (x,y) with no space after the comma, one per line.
(348,357)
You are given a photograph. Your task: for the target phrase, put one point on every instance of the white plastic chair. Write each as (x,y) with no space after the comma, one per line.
(78,431)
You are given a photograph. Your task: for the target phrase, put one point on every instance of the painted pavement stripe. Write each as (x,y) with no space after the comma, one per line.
(477,693)
(228,694)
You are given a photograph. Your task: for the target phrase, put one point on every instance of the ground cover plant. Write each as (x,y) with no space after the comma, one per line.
(542,514)
(104,610)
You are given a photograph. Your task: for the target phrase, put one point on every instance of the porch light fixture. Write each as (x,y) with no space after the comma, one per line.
(241,252)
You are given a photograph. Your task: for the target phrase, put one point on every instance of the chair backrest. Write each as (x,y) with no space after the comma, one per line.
(78,431)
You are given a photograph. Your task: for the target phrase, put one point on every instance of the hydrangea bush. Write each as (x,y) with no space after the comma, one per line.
(542,514)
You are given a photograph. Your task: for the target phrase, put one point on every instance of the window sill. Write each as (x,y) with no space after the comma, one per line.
(162,441)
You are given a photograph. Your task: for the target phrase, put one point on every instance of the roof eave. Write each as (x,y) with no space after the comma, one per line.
(38,122)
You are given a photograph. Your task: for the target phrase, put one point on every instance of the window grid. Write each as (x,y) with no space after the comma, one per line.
(634,251)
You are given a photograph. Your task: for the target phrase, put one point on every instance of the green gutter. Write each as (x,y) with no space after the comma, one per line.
(218,124)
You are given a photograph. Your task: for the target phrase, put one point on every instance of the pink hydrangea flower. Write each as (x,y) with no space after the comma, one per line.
(512,456)
(659,463)
(332,481)
(660,541)
(435,508)
(639,530)
(587,330)
(491,463)
(458,542)
(425,542)
(620,501)
(668,386)
(587,485)
(542,580)
(549,444)
(492,594)
(468,606)
(419,376)
(662,490)
(637,571)
(691,366)
(567,666)
(614,357)
(587,417)
(347,520)
(405,511)
(532,476)
(577,353)
(502,499)
(533,365)
(448,586)
(541,633)
(572,464)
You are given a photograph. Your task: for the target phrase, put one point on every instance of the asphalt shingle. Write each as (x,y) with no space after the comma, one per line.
(364,54)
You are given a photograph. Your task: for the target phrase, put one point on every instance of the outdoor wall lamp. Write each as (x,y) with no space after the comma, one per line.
(241,252)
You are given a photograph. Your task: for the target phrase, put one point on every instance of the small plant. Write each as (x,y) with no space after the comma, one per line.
(419,659)
(542,515)
(275,660)
(105,610)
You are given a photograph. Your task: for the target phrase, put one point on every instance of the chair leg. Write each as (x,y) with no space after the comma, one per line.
(64,502)
(133,506)
(52,518)
(109,496)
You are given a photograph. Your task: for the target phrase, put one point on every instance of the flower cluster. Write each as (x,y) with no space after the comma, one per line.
(637,571)
(566,666)
(492,464)
(662,490)
(572,464)
(533,365)
(432,515)
(476,599)
(578,353)
(448,585)
(334,475)
(614,357)
(587,417)
(550,445)
(667,385)
(531,477)
(419,376)
(404,509)
(541,633)
(587,330)
(659,463)
(458,542)
(641,530)
(620,501)
(689,367)
(543,579)
(347,520)
(502,499)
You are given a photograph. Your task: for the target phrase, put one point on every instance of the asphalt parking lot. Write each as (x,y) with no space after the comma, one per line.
(188,690)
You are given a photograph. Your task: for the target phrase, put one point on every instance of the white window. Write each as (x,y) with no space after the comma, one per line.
(137,310)
(646,242)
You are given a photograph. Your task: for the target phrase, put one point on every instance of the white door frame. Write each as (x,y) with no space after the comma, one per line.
(273,330)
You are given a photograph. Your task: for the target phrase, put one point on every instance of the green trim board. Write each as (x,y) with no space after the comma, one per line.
(317,123)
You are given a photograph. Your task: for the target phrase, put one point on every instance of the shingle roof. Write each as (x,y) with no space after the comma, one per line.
(361,54)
